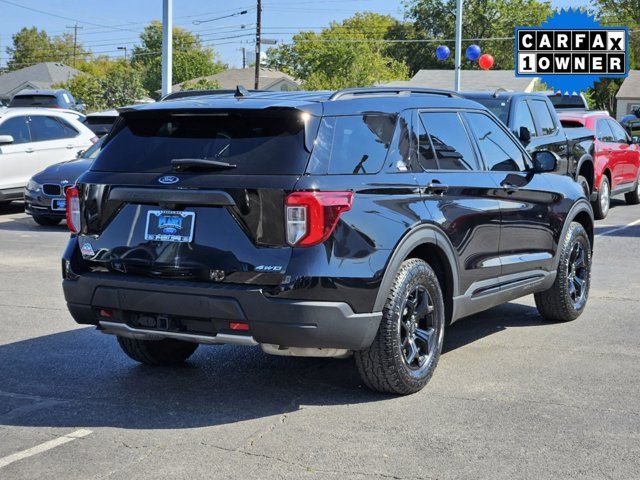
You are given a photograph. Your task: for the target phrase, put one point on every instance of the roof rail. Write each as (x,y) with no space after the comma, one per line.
(353,92)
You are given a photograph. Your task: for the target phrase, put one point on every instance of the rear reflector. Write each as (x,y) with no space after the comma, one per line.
(106,313)
(311,217)
(238,326)
(73,209)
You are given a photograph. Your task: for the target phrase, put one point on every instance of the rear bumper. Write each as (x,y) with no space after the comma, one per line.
(205,311)
(10,194)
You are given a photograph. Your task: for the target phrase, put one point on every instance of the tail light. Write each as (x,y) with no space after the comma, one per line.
(311,217)
(73,209)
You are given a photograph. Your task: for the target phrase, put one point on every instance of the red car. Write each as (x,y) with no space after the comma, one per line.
(617,159)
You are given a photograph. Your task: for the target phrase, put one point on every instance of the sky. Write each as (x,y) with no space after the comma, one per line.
(107,25)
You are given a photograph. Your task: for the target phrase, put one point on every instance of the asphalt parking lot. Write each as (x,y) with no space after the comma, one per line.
(512,397)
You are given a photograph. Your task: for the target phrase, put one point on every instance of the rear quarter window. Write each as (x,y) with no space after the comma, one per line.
(352,144)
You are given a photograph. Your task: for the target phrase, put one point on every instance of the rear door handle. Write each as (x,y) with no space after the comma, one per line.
(436,187)
(29,150)
(70,146)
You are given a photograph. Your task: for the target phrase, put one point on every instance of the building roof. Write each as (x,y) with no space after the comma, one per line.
(630,88)
(476,80)
(39,76)
(229,79)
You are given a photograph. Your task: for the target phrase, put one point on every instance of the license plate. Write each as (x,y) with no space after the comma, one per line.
(169,226)
(59,204)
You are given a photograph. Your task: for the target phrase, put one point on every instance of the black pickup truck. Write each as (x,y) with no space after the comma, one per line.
(533,119)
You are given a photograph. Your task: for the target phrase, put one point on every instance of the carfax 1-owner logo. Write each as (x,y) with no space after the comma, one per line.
(571,51)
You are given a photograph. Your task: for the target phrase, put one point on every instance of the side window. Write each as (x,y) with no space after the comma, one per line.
(619,135)
(540,111)
(450,140)
(603,131)
(69,129)
(402,150)
(360,143)
(17,128)
(522,118)
(426,155)
(499,151)
(46,128)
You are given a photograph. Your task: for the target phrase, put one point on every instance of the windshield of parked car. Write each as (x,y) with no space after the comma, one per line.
(34,101)
(568,102)
(258,142)
(93,151)
(498,106)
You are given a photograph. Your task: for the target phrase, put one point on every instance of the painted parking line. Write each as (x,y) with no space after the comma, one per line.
(43,447)
(617,229)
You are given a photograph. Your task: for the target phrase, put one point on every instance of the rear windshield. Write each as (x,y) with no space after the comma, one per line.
(571,124)
(498,106)
(568,102)
(256,142)
(94,120)
(34,101)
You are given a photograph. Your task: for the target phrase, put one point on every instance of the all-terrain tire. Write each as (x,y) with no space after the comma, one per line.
(584,183)
(556,304)
(382,366)
(157,352)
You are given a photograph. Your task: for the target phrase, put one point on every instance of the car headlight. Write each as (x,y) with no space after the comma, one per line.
(34,186)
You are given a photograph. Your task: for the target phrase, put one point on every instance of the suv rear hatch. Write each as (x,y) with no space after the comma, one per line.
(195,195)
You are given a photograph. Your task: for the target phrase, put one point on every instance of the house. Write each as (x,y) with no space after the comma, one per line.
(270,79)
(628,97)
(40,76)
(470,80)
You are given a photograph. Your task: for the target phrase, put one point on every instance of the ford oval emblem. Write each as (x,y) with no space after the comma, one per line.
(168,179)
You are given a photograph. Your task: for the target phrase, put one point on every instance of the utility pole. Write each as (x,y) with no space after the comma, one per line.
(258,34)
(75,42)
(244,57)
(167,46)
(458,53)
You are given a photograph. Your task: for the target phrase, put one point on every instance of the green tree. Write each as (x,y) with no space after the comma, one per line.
(434,22)
(201,84)
(346,54)
(31,46)
(106,84)
(190,58)
(614,13)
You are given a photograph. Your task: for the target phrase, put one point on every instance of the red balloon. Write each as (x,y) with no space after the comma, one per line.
(486,61)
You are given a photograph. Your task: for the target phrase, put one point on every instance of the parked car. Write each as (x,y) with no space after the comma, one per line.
(31,139)
(318,224)
(101,122)
(617,159)
(44,195)
(532,118)
(46,98)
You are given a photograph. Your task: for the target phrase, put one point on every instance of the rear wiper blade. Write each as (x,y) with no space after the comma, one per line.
(187,163)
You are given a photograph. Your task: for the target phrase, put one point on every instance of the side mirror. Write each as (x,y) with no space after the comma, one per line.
(4,139)
(524,135)
(544,161)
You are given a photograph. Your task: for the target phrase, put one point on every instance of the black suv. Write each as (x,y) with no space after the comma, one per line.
(319,224)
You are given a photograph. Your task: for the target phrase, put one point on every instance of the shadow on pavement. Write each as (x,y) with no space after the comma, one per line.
(23,223)
(629,232)
(81,378)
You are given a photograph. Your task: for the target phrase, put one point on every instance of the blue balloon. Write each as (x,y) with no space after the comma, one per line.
(443,52)
(473,52)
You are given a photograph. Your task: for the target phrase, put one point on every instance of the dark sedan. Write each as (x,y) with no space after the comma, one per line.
(44,196)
